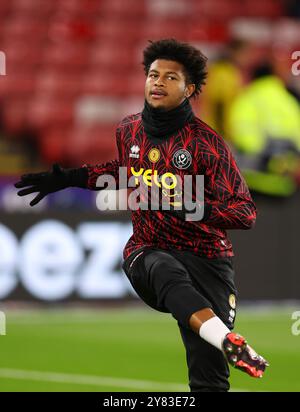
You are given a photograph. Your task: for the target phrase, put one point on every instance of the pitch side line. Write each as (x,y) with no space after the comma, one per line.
(94,380)
(90,380)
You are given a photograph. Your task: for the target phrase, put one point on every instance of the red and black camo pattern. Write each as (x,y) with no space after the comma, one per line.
(226,192)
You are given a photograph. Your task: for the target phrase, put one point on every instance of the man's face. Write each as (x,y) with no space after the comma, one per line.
(165,85)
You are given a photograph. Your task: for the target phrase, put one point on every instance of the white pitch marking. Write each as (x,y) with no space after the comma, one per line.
(95,380)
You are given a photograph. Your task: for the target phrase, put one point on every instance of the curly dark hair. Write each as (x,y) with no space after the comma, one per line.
(193,61)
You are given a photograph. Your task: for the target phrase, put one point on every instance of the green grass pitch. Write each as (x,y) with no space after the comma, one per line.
(130,350)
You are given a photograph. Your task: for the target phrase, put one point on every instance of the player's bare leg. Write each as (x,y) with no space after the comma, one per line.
(198,318)
(235,347)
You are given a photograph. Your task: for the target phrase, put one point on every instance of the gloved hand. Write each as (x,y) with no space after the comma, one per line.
(49,182)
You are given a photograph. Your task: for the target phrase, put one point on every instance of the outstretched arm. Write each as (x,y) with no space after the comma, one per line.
(49,182)
(59,178)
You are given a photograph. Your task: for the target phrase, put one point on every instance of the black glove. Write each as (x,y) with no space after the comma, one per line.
(49,182)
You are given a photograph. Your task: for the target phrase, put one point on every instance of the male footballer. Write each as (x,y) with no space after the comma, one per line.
(178,266)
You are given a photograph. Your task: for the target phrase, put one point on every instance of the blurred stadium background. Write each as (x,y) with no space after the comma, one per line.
(72,71)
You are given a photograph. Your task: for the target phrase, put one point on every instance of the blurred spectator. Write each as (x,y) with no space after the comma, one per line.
(227,77)
(264,124)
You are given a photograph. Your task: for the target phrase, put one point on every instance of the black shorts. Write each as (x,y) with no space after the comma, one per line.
(182,283)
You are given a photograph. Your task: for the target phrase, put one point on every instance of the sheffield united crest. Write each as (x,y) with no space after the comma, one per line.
(182,159)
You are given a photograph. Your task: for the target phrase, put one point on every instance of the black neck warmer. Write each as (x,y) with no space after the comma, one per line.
(159,124)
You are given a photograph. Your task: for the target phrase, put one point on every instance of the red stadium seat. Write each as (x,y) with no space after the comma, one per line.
(58,83)
(21,57)
(32,7)
(136,82)
(5,7)
(77,7)
(266,8)
(208,32)
(161,28)
(112,30)
(130,9)
(62,56)
(45,112)
(64,27)
(53,145)
(104,84)
(17,85)
(212,10)
(92,144)
(14,114)
(107,55)
(24,29)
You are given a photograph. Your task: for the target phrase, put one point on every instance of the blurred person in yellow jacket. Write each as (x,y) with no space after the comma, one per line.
(227,77)
(264,127)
